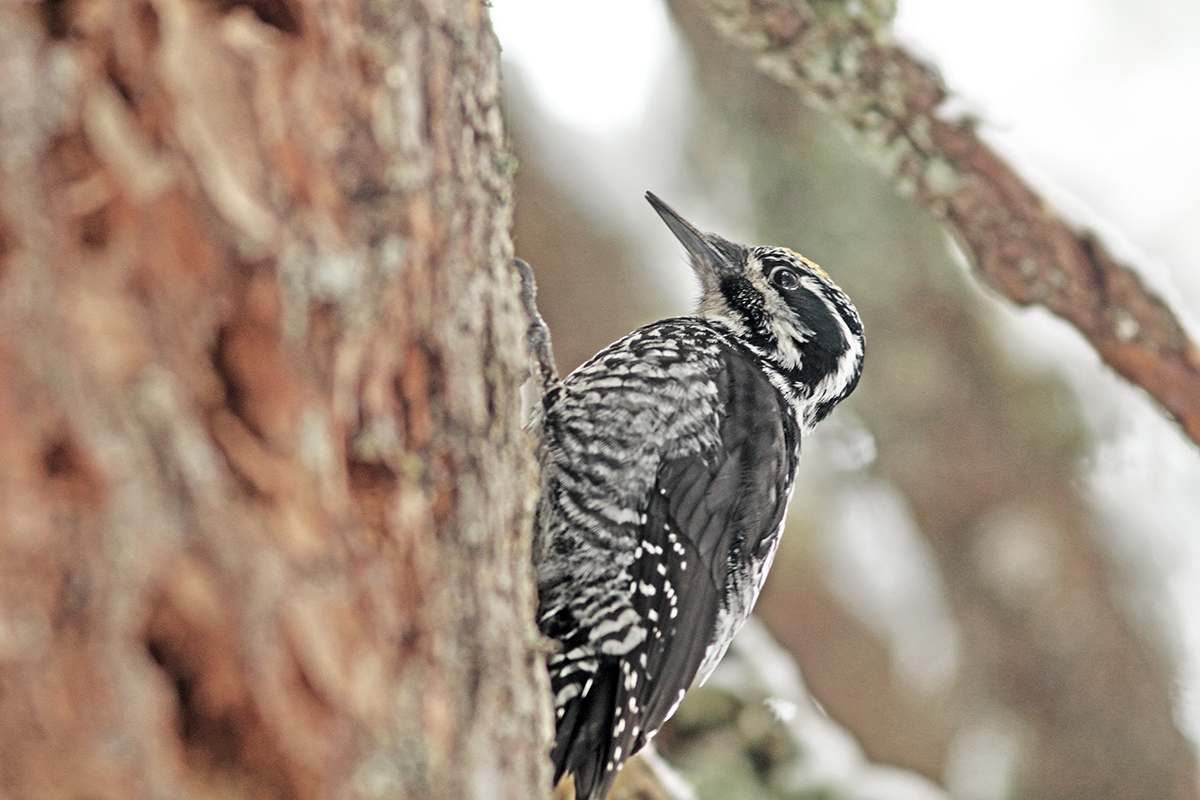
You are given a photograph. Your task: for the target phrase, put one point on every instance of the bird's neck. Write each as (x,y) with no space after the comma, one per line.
(785,379)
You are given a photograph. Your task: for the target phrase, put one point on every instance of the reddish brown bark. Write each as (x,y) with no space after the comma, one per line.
(263,489)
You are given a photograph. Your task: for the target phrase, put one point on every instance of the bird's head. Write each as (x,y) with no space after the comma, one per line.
(783,307)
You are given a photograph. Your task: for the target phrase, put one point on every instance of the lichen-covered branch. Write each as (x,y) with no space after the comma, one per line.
(842,60)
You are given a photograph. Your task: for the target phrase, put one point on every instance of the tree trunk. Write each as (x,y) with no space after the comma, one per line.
(264,493)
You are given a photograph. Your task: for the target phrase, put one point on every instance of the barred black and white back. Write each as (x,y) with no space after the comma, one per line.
(667,463)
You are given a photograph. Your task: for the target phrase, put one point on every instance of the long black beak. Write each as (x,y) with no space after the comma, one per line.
(708,261)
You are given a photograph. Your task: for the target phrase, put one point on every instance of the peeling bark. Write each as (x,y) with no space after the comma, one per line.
(264,490)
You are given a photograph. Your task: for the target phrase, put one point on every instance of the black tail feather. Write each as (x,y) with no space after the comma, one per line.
(583,743)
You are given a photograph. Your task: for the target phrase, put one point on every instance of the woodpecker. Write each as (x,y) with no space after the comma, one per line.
(667,461)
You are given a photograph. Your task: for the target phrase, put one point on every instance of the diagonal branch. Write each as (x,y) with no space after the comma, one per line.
(844,63)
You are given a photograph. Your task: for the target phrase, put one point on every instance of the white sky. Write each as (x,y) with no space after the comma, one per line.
(1098,101)
(592,66)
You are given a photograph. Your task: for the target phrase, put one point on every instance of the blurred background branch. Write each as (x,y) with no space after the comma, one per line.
(839,58)
(981,458)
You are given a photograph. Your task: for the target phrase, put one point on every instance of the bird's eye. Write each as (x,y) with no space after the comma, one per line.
(785,278)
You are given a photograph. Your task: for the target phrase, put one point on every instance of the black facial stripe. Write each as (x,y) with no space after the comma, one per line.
(747,301)
(825,347)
